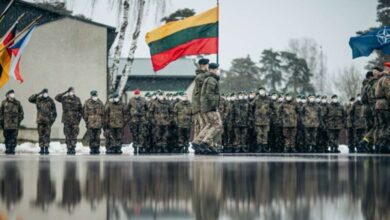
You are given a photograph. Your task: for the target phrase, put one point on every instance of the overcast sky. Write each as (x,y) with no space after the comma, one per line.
(250,26)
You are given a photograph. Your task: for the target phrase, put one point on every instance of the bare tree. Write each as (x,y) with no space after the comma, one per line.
(130,58)
(309,50)
(118,49)
(348,82)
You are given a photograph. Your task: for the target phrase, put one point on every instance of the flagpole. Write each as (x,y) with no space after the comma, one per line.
(218,31)
(13,25)
(5,10)
(21,32)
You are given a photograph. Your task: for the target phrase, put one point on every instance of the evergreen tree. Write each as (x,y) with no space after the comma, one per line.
(243,75)
(298,74)
(271,68)
(179,15)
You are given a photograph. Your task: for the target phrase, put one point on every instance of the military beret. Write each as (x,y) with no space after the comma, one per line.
(318,96)
(380,69)
(213,66)
(334,96)
(94,93)
(313,95)
(9,92)
(203,61)
(261,88)
(352,99)
(137,92)
(115,95)
(324,97)
(181,93)
(232,94)
(45,90)
(147,94)
(369,74)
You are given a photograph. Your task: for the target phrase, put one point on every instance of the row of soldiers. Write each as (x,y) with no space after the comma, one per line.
(158,124)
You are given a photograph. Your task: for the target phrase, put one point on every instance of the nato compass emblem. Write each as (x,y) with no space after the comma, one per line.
(383,36)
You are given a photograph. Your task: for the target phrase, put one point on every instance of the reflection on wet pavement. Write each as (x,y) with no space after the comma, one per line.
(181,187)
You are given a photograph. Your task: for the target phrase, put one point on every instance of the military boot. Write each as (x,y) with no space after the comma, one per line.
(46,150)
(42,151)
(12,150)
(7,150)
(135,147)
(71,151)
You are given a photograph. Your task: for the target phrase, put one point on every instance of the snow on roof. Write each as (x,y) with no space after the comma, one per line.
(143,67)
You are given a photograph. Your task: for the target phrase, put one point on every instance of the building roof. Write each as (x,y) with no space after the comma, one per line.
(49,13)
(142,67)
(177,76)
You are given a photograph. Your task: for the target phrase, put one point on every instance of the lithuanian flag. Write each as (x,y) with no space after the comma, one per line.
(191,36)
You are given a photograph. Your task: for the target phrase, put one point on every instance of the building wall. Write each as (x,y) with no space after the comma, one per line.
(61,54)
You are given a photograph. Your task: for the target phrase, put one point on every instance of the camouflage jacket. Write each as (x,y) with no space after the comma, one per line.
(336,116)
(182,114)
(348,112)
(228,117)
(241,113)
(160,111)
(276,119)
(196,93)
(311,115)
(93,113)
(11,114)
(358,116)
(114,115)
(136,110)
(289,114)
(262,111)
(382,93)
(210,94)
(324,108)
(46,109)
(72,110)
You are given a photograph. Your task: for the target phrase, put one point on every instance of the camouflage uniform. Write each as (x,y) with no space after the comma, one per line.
(228,120)
(289,116)
(359,122)
(151,127)
(209,108)
(136,113)
(300,138)
(173,137)
(382,108)
(368,99)
(311,121)
(350,127)
(335,122)
(160,111)
(322,134)
(198,119)
(93,113)
(252,145)
(106,131)
(11,115)
(262,117)
(183,114)
(241,115)
(276,140)
(114,121)
(72,111)
(46,115)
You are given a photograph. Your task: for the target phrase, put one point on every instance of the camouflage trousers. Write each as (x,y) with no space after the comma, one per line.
(116,135)
(139,132)
(44,131)
(161,136)
(351,138)
(106,134)
(240,136)
(71,131)
(198,124)
(322,138)
(262,134)
(10,137)
(334,137)
(358,135)
(310,136)
(383,125)
(212,129)
(94,136)
(184,136)
(289,136)
(228,136)
(370,123)
(173,137)
(275,138)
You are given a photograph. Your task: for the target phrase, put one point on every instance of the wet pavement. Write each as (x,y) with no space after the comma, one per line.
(195,187)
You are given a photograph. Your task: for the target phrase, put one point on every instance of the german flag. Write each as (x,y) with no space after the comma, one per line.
(191,36)
(6,55)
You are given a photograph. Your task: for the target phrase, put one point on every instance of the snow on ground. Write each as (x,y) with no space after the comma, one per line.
(58,148)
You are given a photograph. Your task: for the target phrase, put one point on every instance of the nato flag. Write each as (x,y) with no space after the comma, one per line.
(363,45)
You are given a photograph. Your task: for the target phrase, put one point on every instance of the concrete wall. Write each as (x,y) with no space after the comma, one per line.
(61,54)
